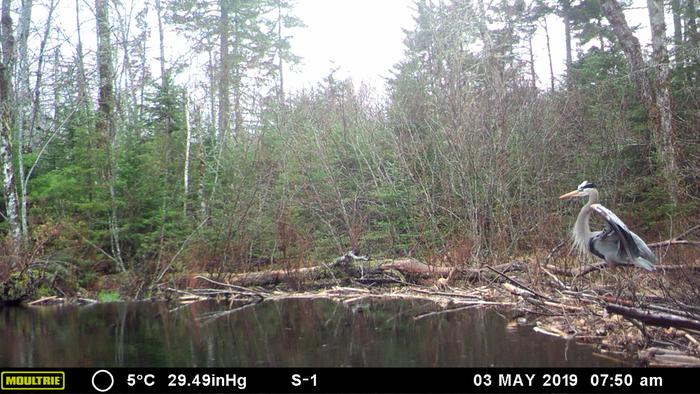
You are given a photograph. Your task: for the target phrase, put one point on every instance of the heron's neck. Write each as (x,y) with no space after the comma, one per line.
(582,228)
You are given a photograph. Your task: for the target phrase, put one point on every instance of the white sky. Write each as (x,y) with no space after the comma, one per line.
(364,38)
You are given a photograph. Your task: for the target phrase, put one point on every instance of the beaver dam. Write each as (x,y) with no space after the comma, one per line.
(629,316)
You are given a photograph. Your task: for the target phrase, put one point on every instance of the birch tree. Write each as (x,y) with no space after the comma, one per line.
(9,186)
(22,106)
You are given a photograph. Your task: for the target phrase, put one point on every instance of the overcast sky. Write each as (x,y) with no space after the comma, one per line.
(364,39)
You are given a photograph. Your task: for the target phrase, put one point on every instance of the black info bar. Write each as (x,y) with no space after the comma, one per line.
(350,380)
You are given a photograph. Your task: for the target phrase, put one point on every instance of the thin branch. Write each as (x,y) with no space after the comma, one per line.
(234,288)
(182,247)
(677,239)
(25,181)
(517,283)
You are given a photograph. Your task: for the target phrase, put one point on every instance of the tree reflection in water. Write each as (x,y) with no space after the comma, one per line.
(290,333)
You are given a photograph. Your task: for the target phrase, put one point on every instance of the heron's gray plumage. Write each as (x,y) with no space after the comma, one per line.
(616,244)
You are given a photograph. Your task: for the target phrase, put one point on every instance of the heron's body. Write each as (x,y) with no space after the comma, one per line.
(615,244)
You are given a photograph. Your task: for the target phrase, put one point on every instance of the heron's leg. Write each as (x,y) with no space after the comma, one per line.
(617,289)
(625,282)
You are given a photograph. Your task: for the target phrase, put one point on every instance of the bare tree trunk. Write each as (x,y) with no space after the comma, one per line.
(125,94)
(237,75)
(691,25)
(677,32)
(105,100)
(549,55)
(104,125)
(201,167)
(280,91)
(212,86)
(82,82)
(161,44)
(186,175)
(533,74)
(632,50)
(224,72)
(6,124)
(665,138)
(654,93)
(692,36)
(39,71)
(22,104)
(566,15)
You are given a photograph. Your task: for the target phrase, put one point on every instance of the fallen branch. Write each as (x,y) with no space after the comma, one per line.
(43,300)
(654,318)
(233,288)
(673,242)
(677,239)
(417,268)
(515,282)
(666,357)
(551,253)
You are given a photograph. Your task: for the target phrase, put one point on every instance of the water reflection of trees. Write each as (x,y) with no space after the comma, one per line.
(284,333)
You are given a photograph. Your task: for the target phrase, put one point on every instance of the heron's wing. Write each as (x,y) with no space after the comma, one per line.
(644,250)
(613,225)
(600,245)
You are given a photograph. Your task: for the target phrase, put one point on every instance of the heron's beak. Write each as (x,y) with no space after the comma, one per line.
(569,195)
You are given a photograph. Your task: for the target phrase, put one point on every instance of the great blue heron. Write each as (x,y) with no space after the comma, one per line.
(616,244)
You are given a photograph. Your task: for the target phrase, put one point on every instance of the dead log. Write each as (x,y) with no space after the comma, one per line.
(273,277)
(413,267)
(343,266)
(361,268)
(653,318)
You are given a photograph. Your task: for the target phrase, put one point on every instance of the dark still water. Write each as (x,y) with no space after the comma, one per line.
(291,333)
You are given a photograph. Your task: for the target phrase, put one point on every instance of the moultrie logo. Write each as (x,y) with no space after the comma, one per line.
(33,380)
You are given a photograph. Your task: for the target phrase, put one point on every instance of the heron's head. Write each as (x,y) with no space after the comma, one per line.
(584,189)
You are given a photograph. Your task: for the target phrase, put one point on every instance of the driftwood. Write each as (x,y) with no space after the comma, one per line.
(660,319)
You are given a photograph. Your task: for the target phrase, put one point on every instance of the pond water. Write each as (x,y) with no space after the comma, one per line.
(290,333)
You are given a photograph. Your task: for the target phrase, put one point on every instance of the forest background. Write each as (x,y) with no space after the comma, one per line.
(112,173)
